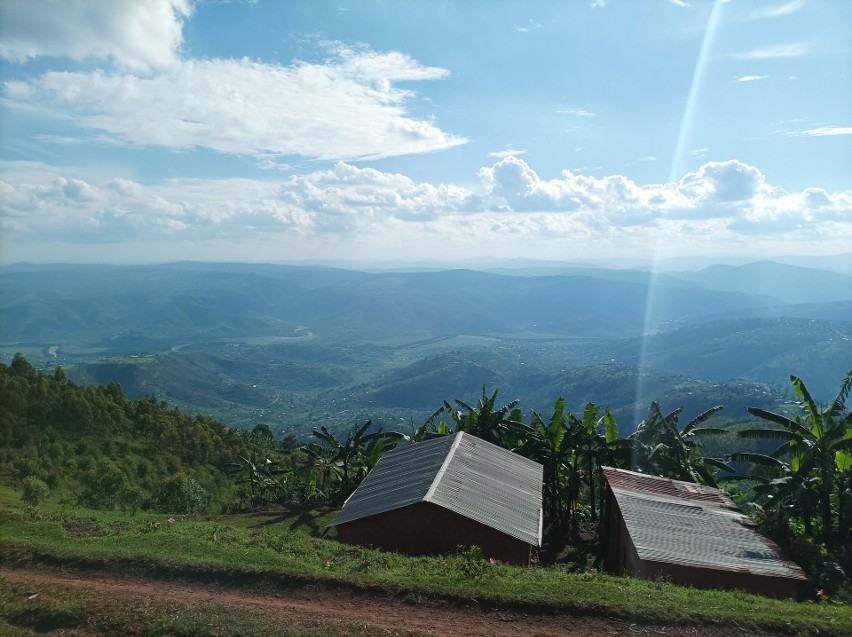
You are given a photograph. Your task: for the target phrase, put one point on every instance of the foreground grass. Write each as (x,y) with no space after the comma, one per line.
(287,549)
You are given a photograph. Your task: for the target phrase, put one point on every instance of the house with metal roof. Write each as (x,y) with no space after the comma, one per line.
(690,534)
(431,497)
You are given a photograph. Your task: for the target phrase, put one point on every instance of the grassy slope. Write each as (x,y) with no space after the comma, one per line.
(289,547)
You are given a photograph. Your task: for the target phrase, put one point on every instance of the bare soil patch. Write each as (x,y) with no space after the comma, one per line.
(315,606)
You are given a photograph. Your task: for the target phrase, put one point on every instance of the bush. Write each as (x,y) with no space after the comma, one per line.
(180,494)
(35,491)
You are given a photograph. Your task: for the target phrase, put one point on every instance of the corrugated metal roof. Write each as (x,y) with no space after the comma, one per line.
(693,525)
(461,473)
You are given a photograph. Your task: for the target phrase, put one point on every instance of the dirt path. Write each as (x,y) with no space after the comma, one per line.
(312,606)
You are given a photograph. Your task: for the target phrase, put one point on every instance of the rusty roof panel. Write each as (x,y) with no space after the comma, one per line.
(682,523)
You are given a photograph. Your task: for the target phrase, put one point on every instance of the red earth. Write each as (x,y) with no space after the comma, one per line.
(311,607)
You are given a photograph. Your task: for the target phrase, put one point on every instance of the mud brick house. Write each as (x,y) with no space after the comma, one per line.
(692,535)
(428,498)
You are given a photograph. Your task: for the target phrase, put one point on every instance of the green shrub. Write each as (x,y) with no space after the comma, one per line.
(35,491)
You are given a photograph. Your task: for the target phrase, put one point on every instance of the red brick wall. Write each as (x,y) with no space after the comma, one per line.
(427,529)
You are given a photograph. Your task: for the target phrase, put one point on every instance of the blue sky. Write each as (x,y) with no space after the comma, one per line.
(422,131)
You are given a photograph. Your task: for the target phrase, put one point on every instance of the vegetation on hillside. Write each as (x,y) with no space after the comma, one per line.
(93,447)
(281,554)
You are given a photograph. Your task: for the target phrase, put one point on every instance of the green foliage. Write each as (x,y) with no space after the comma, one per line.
(471,563)
(34,491)
(341,463)
(660,447)
(180,493)
(93,445)
(486,420)
(812,467)
(261,475)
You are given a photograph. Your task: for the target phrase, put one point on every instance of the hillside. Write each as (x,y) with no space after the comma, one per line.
(121,309)
(300,347)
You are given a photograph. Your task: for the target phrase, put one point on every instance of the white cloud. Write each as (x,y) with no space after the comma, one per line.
(137,35)
(509,152)
(347,196)
(723,182)
(777,11)
(40,202)
(751,78)
(823,131)
(346,108)
(777,51)
(679,3)
(531,25)
(576,112)
(373,214)
(729,190)
(513,180)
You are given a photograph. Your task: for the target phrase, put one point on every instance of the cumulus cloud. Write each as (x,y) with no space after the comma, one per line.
(731,193)
(368,212)
(722,182)
(347,108)
(520,186)
(348,196)
(345,199)
(137,35)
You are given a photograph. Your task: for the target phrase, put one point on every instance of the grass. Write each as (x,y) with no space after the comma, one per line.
(288,548)
(69,611)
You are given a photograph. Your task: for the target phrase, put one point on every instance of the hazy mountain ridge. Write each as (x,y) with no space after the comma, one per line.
(791,284)
(95,306)
(300,346)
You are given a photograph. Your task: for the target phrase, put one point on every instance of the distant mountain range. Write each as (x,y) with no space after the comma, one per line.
(229,338)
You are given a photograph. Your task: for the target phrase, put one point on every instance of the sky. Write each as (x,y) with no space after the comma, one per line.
(428,131)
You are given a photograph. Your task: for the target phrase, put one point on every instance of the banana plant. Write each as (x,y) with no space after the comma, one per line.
(262,475)
(349,459)
(485,420)
(660,447)
(815,454)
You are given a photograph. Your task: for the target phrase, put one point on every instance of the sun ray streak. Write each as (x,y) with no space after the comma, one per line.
(676,171)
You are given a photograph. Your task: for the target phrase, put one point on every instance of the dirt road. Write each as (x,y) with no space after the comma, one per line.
(314,607)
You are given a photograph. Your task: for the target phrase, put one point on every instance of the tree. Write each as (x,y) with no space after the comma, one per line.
(180,493)
(550,444)
(261,474)
(572,451)
(596,442)
(34,492)
(349,459)
(486,420)
(815,455)
(660,447)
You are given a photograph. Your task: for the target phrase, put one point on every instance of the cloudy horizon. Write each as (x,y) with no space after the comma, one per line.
(162,130)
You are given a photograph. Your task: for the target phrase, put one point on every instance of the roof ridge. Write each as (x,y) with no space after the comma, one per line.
(442,470)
